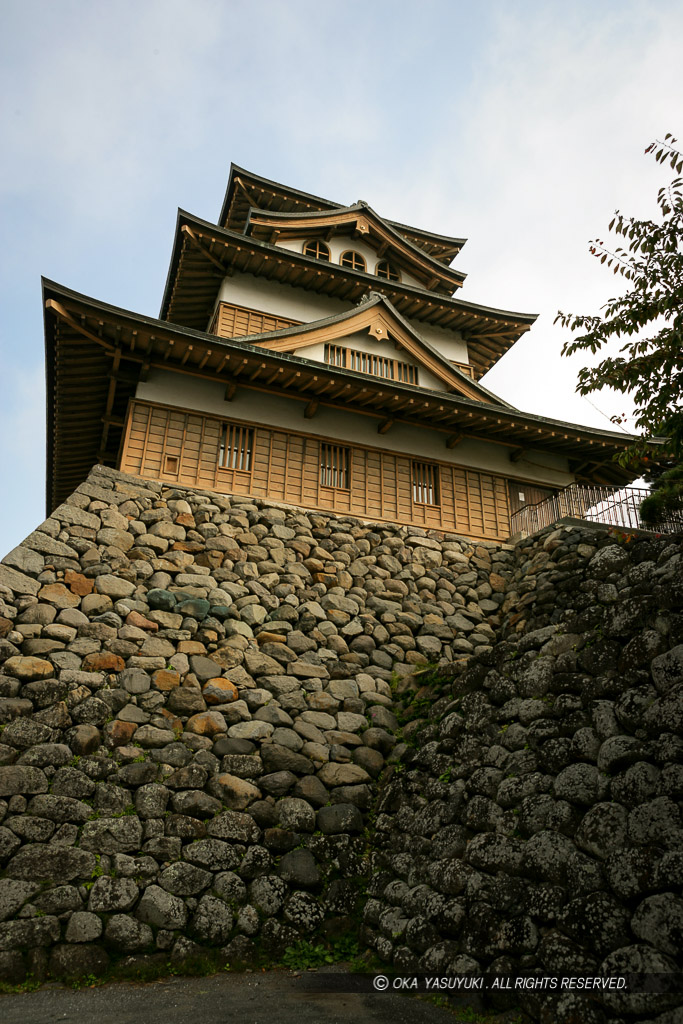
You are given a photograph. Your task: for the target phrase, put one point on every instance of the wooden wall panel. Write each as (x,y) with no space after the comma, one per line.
(448,500)
(237,321)
(389,488)
(183,446)
(262,467)
(295,469)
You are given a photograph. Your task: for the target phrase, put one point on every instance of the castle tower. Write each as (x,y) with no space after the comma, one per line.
(315,354)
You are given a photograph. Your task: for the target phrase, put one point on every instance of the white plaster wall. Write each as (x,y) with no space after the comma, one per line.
(449,343)
(279,299)
(175,389)
(339,244)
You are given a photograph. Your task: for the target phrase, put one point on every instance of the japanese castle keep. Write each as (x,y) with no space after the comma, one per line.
(315,354)
(271,681)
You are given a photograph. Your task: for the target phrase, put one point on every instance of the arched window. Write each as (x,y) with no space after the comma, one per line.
(352,259)
(386,269)
(318,250)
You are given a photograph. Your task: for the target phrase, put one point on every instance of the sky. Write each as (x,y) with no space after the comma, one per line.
(521,126)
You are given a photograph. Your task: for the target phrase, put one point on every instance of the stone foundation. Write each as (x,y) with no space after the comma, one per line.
(205,702)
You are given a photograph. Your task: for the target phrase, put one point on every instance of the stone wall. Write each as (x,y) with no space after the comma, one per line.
(196,707)
(535,824)
(219,732)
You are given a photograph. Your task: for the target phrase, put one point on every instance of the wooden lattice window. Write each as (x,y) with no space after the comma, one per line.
(334,466)
(352,259)
(335,355)
(318,250)
(367,362)
(236,447)
(425,479)
(405,372)
(387,270)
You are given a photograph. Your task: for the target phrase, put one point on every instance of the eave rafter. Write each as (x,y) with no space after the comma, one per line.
(198,243)
(377,320)
(192,289)
(246,191)
(109,349)
(362,222)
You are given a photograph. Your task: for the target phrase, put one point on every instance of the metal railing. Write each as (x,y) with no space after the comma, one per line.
(613,506)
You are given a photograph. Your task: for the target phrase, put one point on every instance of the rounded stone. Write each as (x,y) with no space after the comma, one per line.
(253,730)
(267,894)
(303,911)
(123,932)
(161,909)
(26,669)
(195,608)
(84,739)
(219,691)
(658,920)
(295,814)
(83,927)
(298,867)
(112,894)
(581,784)
(334,774)
(639,959)
(602,831)
(16,779)
(113,586)
(619,752)
(667,669)
(339,818)
(206,723)
(234,792)
(183,879)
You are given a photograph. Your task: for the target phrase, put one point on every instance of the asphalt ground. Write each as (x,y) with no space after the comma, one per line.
(273,998)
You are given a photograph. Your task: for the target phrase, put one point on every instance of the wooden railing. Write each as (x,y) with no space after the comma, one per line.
(613,506)
(366,362)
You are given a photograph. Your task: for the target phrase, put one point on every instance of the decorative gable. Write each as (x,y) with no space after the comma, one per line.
(332,341)
(314,231)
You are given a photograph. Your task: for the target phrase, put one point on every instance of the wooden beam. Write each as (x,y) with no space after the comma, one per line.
(63,314)
(454,440)
(274,376)
(111,391)
(195,241)
(121,378)
(374,397)
(517,454)
(255,373)
(311,409)
(230,392)
(385,425)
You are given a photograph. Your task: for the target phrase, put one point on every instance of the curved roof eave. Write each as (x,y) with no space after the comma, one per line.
(309,197)
(235,172)
(440,269)
(349,314)
(57,289)
(457,303)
